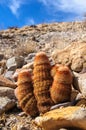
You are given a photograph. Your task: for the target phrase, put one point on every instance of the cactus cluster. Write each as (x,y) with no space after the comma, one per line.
(47,86)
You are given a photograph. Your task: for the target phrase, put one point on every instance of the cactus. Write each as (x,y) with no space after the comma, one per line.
(24,93)
(61,87)
(42,82)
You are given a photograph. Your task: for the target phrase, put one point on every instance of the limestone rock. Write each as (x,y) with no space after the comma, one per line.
(28,66)
(8,75)
(73,55)
(73,117)
(30,57)
(79,96)
(79,82)
(6,104)
(6,82)
(15,62)
(5,91)
(77,64)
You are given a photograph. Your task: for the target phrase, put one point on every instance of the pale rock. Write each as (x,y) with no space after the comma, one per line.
(5,91)
(6,82)
(77,64)
(8,75)
(15,62)
(12,67)
(31,56)
(72,117)
(61,105)
(28,60)
(61,57)
(28,66)
(79,82)
(79,96)
(74,55)
(6,104)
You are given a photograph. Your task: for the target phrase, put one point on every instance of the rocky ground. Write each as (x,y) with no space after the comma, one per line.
(47,37)
(64,43)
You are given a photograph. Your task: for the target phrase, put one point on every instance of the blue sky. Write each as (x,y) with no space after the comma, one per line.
(28,12)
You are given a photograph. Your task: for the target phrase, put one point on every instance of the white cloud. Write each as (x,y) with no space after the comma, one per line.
(13,5)
(30,21)
(73,6)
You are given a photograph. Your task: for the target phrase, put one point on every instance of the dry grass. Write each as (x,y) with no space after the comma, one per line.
(8,52)
(25,48)
(22,49)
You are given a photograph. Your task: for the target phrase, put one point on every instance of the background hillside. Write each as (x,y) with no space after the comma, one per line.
(45,37)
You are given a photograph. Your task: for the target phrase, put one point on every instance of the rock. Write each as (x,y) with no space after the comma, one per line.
(81,102)
(12,67)
(22,123)
(1,70)
(15,62)
(63,129)
(79,96)
(1,56)
(47,36)
(61,105)
(8,75)
(74,94)
(6,104)
(5,91)
(73,117)
(79,82)
(28,61)
(2,66)
(15,75)
(73,55)
(3,63)
(30,56)
(77,64)
(28,66)
(6,82)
